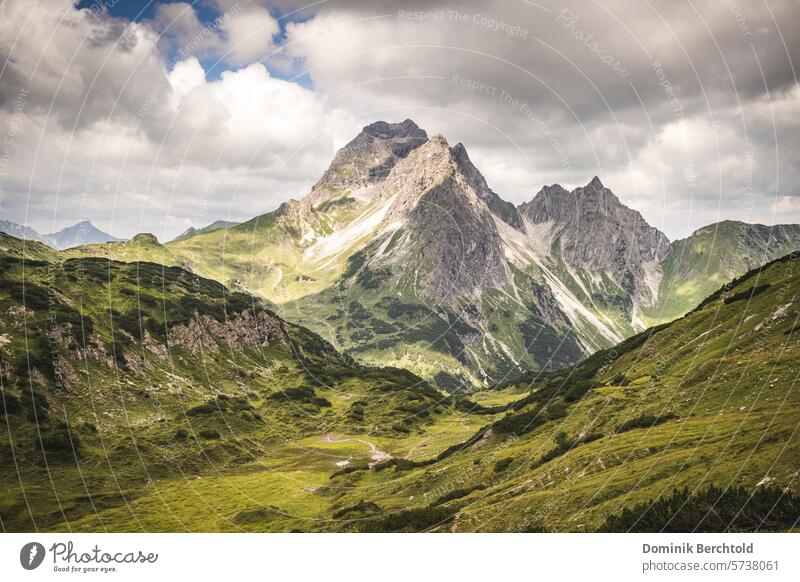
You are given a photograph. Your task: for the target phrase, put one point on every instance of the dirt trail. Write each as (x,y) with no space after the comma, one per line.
(376,454)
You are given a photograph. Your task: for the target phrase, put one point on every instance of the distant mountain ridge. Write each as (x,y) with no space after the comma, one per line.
(192,231)
(82,233)
(21,231)
(78,234)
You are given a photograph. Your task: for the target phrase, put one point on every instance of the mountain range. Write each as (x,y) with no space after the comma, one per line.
(304,370)
(78,234)
(403,255)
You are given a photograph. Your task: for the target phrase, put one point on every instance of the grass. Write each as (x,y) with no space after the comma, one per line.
(710,399)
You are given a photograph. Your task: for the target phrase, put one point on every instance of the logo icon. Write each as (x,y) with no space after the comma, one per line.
(31,555)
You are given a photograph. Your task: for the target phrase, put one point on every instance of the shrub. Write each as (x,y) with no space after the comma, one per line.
(209,434)
(181,434)
(9,404)
(565,444)
(578,390)
(620,380)
(360,509)
(205,408)
(520,423)
(410,520)
(533,527)
(712,510)
(457,494)
(645,421)
(503,464)
(37,404)
(60,439)
(257,515)
(747,293)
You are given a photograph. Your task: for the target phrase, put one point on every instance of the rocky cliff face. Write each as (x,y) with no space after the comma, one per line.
(591,229)
(446,241)
(421,283)
(505,211)
(367,159)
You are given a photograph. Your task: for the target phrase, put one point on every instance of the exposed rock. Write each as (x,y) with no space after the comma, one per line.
(505,211)
(368,158)
(243,331)
(591,229)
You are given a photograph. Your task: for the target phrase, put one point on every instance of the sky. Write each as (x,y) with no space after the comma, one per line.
(157,116)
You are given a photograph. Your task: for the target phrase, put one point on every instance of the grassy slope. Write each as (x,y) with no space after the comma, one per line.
(141,248)
(727,373)
(125,413)
(265,255)
(710,398)
(710,257)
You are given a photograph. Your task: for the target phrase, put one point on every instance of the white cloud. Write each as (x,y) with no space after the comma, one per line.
(249,35)
(121,122)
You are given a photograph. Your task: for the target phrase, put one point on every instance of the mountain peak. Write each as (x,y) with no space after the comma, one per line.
(386,130)
(596,184)
(505,211)
(367,158)
(81,233)
(591,228)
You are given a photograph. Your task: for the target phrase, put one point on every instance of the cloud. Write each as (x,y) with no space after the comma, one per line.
(249,35)
(643,96)
(108,130)
(683,110)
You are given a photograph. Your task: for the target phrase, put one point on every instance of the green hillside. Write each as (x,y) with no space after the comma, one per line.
(713,255)
(176,405)
(118,377)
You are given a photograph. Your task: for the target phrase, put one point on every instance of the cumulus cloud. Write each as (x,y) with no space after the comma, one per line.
(683,110)
(107,130)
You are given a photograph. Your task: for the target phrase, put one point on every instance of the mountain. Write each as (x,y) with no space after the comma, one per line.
(589,229)
(81,233)
(192,231)
(708,400)
(20,231)
(141,397)
(403,255)
(701,263)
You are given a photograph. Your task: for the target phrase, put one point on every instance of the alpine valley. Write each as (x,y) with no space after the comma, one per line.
(403,350)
